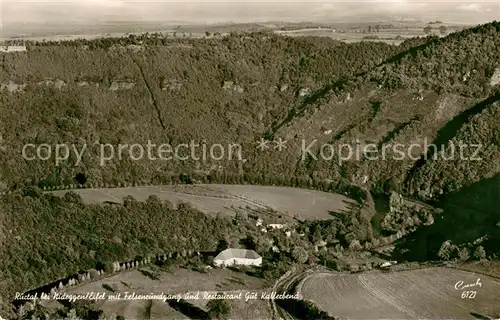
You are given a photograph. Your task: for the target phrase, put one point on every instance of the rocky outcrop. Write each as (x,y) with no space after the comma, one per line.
(57,84)
(13,49)
(304,92)
(171,85)
(180,45)
(131,47)
(495,79)
(135,48)
(230,86)
(121,85)
(86,84)
(13,87)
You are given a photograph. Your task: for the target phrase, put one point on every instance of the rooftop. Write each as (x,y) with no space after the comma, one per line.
(237,253)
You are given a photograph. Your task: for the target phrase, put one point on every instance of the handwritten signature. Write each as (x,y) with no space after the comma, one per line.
(461,285)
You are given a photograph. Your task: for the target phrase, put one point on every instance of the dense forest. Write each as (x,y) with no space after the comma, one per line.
(180,91)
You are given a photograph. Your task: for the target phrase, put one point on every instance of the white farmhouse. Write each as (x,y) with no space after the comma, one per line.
(244,257)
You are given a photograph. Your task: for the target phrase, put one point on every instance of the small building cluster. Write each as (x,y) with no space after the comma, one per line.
(274,225)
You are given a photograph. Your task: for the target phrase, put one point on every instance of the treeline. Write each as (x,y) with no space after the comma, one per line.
(80,309)
(341,186)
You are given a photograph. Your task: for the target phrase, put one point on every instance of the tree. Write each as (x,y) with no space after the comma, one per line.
(479,253)
(317,237)
(427,29)
(154,201)
(241,217)
(463,254)
(129,201)
(94,274)
(222,245)
(446,251)
(300,254)
(218,309)
(262,245)
(70,196)
(443,30)
(248,242)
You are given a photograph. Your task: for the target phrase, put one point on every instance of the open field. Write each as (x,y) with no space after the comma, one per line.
(203,201)
(394,36)
(180,281)
(305,204)
(407,33)
(417,294)
(490,268)
(349,37)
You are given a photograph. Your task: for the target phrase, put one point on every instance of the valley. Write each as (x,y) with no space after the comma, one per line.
(385,233)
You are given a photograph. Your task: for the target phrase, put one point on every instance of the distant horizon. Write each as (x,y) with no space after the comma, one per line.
(86,31)
(20,17)
(207,11)
(86,28)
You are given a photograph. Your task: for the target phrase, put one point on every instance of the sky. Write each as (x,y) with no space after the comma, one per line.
(37,12)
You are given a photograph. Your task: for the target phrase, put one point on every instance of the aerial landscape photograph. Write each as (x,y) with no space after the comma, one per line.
(250,159)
